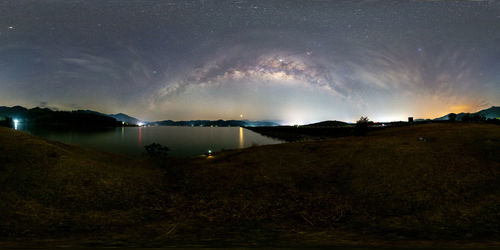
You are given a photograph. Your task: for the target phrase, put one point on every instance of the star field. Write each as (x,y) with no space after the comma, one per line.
(295,61)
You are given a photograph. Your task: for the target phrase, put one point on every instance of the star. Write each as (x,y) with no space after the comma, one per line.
(282,55)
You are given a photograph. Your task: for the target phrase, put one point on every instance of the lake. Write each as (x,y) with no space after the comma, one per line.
(182,141)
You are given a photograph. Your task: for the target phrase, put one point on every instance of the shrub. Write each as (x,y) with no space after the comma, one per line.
(156,150)
(473,118)
(362,125)
(7,122)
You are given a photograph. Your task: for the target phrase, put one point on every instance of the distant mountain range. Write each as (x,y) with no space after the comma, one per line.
(90,118)
(125,118)
(218,123)
(490,113)
(45,116)
(195,123)
(48,117)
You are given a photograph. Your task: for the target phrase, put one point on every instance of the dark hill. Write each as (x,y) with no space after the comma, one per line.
(125,118)
(493,112)
(328,124)
(47,117)
(13,111)
(490,113)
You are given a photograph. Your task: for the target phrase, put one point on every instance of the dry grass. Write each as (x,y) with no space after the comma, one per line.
(412,185)
(51,189)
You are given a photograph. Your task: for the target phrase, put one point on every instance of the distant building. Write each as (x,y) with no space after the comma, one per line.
(410,119)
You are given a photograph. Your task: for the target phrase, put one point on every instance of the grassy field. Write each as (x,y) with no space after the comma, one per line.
(423,185)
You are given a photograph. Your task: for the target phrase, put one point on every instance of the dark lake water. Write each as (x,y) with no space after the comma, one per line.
(182,141)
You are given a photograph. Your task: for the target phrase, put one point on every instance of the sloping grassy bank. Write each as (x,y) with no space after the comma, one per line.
(417,185)
(49,189)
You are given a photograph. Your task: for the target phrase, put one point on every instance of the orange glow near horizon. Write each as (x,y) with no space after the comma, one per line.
(460,108)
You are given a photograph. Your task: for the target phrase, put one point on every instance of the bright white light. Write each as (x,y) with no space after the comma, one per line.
(209,151)
(16,122)
(140,124)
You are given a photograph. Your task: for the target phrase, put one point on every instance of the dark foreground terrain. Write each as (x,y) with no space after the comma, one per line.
(426,185)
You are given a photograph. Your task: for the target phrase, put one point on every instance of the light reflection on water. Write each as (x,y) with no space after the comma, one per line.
(139,138)
(242,140)
(182,141)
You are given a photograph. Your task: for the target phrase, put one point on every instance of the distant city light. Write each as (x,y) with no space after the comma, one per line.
(140,124)
(16,122)
(209,154)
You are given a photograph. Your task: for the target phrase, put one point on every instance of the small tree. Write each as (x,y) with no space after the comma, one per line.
(452,117)
(7,122)
(363,121)
(362,125)
(477,118)
(466,118)
(156,150)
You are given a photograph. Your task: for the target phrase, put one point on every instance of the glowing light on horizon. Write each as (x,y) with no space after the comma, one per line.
(16,122)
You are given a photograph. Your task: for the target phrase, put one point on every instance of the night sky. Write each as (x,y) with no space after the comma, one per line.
(295,61)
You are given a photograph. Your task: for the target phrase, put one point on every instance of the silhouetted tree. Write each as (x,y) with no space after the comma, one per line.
(7,122)
(473,118)
(156,150)
(362,125)
(493,120)
(158,157)
(478,118)
(452,117)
